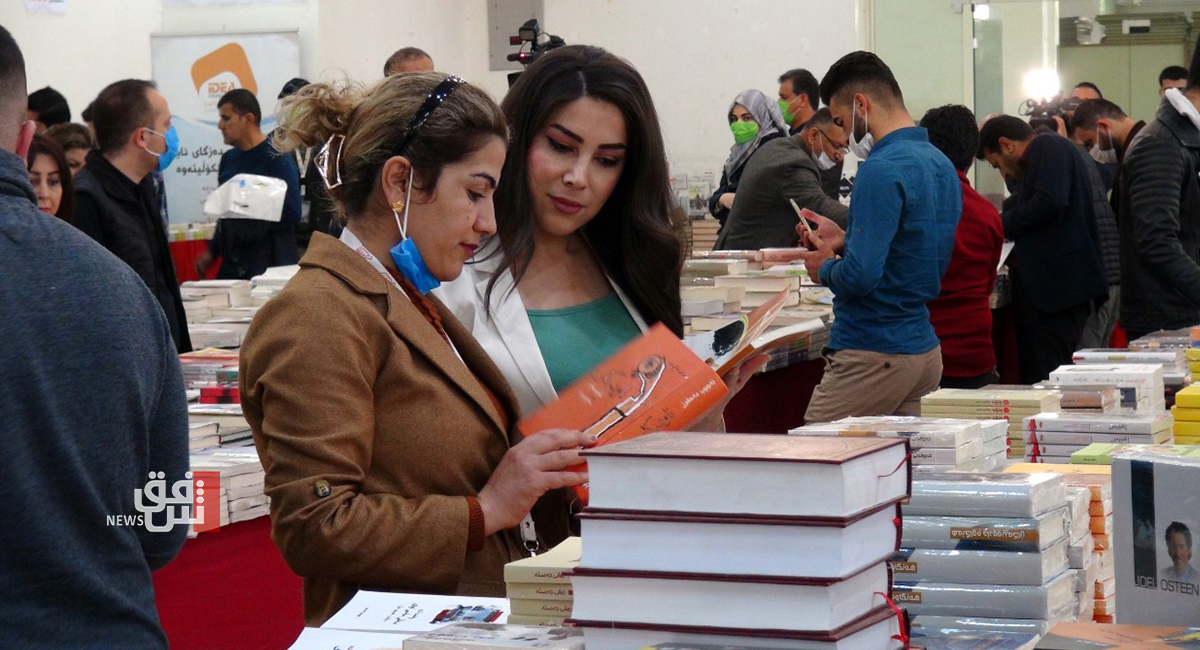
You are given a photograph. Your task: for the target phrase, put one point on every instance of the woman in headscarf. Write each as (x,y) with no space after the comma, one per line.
(754,120)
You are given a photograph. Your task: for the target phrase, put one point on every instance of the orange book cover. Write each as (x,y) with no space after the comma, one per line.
(654,383)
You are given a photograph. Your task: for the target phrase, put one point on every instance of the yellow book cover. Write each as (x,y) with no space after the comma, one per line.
(1188,397)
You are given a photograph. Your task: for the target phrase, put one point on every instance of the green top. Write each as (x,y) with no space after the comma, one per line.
(576,339)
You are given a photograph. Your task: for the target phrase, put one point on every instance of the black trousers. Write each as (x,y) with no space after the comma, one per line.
(1045,340)
(978,381)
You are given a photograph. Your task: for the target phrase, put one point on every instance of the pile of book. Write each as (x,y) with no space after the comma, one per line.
(232,428)
(704,233)
(201,366)
(1156,515)
(242,479)
(1141,385)
(984,553)
(1101,398)
(539,589)
(218,311)
(794,557)
(990,404)
(1054,437)
(1089,552)
(938,444)
(270,283)
(1187,415)
(1176,371)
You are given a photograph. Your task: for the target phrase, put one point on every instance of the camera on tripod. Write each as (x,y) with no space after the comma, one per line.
(539,43)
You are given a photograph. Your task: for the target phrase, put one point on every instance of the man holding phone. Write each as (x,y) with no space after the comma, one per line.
(883,354)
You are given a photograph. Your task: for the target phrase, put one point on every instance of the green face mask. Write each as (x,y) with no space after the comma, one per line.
(743,132)
(785,108)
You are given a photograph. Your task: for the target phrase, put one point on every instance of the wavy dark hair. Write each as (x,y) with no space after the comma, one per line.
(638,233)
(43,145)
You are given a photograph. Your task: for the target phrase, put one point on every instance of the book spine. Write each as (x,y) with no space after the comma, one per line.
(539,591)
(539,608)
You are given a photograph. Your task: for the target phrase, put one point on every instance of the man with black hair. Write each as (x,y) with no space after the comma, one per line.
(962,313)
(783,169)
(1085,90)
(1160,216)
(1179,548)
(93,402)
(247,247)
(1172,76)
(407,60)
(1106,132)
(883,353)
(116,201)
(799,101)
(1056,267)
(47,107)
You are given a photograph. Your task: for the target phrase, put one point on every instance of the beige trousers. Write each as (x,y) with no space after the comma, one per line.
(860,382)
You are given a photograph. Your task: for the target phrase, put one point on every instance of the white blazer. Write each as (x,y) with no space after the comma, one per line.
(506,333)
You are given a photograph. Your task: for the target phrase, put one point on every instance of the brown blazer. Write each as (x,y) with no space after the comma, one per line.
(372,434)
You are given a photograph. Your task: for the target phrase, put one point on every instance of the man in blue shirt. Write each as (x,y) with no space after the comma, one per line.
(883,354)
(248,246)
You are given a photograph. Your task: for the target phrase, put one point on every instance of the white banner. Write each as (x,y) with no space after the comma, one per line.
(193,72)
(46,6)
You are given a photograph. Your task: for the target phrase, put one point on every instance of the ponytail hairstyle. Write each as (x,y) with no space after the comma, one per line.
(638,234)
(363,128)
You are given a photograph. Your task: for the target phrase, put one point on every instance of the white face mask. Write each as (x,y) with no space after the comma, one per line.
(1101,155)
(824,162)
(861,148)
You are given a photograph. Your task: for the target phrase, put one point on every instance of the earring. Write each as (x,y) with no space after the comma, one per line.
(398,206)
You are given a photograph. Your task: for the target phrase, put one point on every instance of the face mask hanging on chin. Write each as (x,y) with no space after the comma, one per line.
(861,148)
(406,255)
(1104,156)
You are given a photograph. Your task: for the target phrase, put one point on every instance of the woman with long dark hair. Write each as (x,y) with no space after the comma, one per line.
(50,175)
(588,248)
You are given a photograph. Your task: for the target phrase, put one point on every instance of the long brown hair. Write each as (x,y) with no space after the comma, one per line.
(637,234)
(42,145)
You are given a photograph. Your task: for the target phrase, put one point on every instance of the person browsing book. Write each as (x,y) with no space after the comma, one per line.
(588,250)
(387,435)
(883,353)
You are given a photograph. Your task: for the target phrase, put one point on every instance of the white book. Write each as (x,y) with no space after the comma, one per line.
(496,636)
(980,567)
(875,631)
(314,638)
(247,503)
(1079,499)
(1109,355)
(702,307)
(920,432)
(377,611)
(817,548)
(202,429)
(1017,601)
(762,281)
(986,533)
(942,625)
(691,599)
(1083,438)
(989,495)
(786,476)
(759,298)
(1141,423)
(1079,553)
(251,513)
(971,450)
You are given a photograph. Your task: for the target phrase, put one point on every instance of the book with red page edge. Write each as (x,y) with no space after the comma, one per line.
(654,383)
(875,616)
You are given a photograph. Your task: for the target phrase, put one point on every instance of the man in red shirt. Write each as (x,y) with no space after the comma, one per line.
(962,315)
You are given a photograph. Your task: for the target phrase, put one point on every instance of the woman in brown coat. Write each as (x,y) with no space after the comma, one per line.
(388,437)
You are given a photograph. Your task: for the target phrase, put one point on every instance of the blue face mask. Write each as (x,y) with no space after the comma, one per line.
(165,158)
(406,255)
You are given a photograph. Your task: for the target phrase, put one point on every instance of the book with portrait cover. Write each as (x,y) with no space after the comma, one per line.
(1156,514)
(654,383)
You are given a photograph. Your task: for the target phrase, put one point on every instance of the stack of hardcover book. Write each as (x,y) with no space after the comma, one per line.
(1187,415)
(986,546)
(740,540)
(1156,515)
(1090,549)
(1054,437)
(938,444)
(1176,371)
(988,404)
(1141,385)
(539,589)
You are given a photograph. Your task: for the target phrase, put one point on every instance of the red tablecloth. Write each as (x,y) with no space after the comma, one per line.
(184,254)
(230,589)
(775,401)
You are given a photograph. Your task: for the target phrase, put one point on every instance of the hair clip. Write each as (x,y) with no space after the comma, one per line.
(324,161)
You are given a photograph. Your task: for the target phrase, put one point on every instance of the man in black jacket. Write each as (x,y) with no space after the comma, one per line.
(1160,217)
(1057,271)
(116,203)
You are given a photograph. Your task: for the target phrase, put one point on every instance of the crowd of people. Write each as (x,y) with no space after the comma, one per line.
(463,261)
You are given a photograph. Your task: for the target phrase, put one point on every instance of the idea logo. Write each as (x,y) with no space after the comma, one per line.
(221,71)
